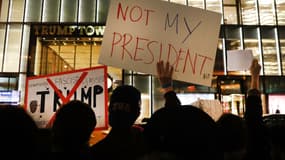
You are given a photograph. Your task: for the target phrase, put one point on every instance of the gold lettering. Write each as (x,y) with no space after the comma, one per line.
(52,30)
(44,30)
(36,30)
(81,28)
(62,31)
(89,30)
(71,29)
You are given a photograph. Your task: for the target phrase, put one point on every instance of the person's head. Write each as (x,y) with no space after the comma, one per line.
(18,131)
(124,107)
(186,131)
(230,126)
(73,125)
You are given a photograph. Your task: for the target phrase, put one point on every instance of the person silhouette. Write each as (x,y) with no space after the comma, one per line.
(258,146)
(74,122)
(18,133)
(180,131)
(124,141)
(233,132)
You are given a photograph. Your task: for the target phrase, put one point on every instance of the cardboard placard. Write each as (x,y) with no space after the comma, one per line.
(45,94)
(139,33)
(239,60)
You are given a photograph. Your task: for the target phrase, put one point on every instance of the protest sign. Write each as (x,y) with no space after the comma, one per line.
(239,60)
(139,33)
(45,94)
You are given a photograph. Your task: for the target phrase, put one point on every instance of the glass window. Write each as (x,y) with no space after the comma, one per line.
(22,86)
(179,1)
(4,10)
(102,11)
(87,10)
(230,14)
(95,53)
(2,40)
(267,12)
(83,55)
(16,10)
(143,83)
(282,47)
(12,53)
(196,3)
(25,48)
(270,59)
(68,11)
(229,2)
(219,60)
(33,10)
(251,42)
(233,38)
(8,83)
(67,53)
(280,9)
(214,5)
(232,42)
(157,96)
(249,12)
(51,11)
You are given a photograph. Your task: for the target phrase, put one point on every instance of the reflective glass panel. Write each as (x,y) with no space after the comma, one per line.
(251,42)
(83,55)
(233,38)
(249,12)
(230,15)
(282,47)
(2,40)
(12,52)
(25,48)
(219,60)
(270,59)
(267,12)
(196,3)
(16,10)
(51,11)
(33,10)
(179,1)
(102,10)
(214,5)
(67,52)
(68,11)
(280,9)
(87,10)
(4,10)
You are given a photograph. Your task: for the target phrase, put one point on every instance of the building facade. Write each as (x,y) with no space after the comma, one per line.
(40,37)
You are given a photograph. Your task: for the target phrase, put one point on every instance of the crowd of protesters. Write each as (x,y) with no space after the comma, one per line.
(174,132)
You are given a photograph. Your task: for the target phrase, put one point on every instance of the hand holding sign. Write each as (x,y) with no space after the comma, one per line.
(140,33)
(255,67)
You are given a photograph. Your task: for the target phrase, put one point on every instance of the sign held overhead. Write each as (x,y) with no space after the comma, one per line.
(239,60)
(140,33)
(45,94)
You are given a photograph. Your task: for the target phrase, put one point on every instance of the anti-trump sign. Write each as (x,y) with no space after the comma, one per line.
(45,94)
(139,33)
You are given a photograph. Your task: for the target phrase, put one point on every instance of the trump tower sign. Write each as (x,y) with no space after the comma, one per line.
(139,33)
(45,94)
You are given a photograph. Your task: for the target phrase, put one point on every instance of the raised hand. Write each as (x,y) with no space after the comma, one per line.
(164,74)
(255,67)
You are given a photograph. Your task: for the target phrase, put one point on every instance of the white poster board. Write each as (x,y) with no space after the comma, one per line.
(239,60)
(139,33)
(45,94)
(212,107)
